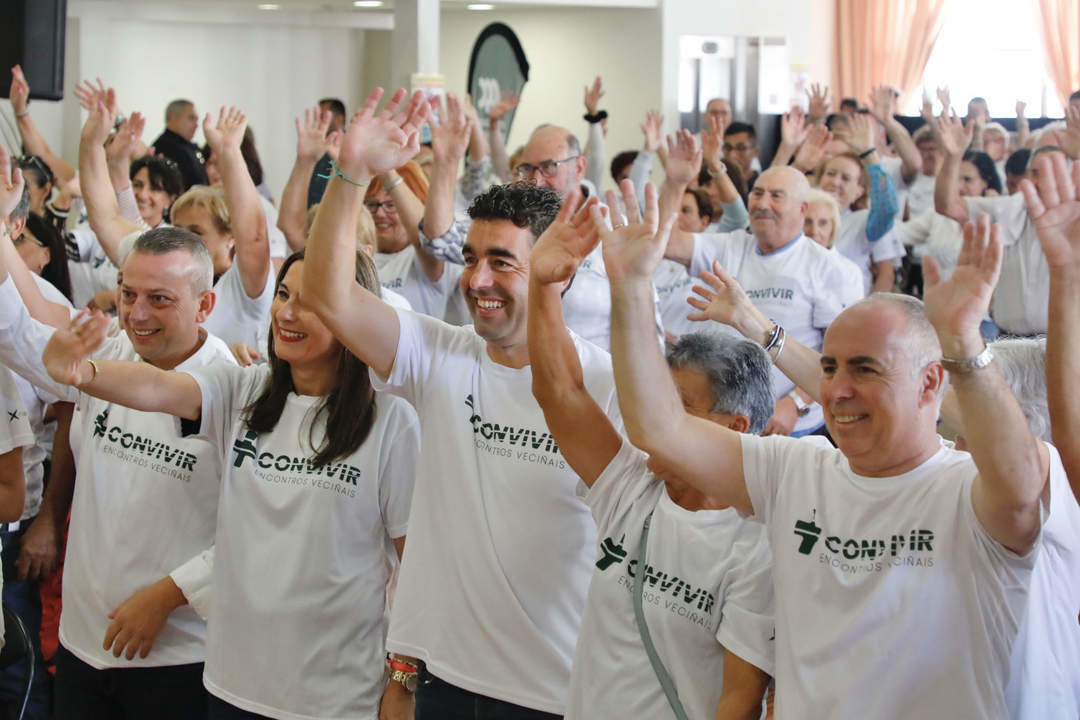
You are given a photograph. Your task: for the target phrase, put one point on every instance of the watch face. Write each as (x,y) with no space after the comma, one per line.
(409,682)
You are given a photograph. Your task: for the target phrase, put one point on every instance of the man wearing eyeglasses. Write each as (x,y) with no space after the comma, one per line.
(741,148)
(552,158)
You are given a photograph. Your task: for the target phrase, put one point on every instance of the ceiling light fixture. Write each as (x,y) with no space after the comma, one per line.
(269,6)
(480,6)
(368,3)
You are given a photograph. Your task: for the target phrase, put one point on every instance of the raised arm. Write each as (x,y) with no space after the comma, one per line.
(499,159)
(954,139)
(883,108)
(1023,130)
(683,165)
(32,140)
(137,385)
(102,209)
(595,151)
(449,140)
(1055,211)
(312,142)
(372,144)
(1013,464)
(724,301)
(245,210)
(793,131)
(11,190)
(705,454)
(585,435)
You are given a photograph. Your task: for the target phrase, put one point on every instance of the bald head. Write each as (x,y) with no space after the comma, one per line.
(552,158)
(920,340)
(778,207)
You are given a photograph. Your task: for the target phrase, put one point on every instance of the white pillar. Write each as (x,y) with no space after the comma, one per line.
(415,40)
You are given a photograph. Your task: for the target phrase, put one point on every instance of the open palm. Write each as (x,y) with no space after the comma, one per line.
(560,250)
(69,346)
(1055,209)
(380,142)
(633,251)
(957,306)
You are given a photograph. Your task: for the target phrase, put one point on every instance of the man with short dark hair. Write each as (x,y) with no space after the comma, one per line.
(181,122)
(493,583)
(741,148)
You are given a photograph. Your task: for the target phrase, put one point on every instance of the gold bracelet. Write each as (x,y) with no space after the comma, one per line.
(94,367)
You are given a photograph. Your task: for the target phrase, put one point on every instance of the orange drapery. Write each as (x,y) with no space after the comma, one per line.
(884,42)
(1059,25)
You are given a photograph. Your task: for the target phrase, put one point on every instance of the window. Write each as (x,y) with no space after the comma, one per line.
(992,49)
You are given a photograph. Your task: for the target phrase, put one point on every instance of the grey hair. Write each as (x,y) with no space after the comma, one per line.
(996,127)
(923,346)
(22,208)
(176,107)
(163,240)
(573,146)
(1022,362)
(738,373)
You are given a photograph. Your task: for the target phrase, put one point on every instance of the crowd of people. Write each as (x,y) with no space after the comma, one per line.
(445,431)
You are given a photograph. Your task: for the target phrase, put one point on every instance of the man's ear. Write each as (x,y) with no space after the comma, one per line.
(206,305)
(15,227)
(934,384)
(739,423)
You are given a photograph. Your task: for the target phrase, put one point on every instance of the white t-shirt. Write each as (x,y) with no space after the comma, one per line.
(708,586)
(402,273)
(93,271)
(36,402)
(920,195)
(1044,681)
(500,547)
(303,551)
(236,317)
(15,432)
(892,601)
(673,285)
(852,243)
(145,502)
(279,246)
(802,286)
(1022,295)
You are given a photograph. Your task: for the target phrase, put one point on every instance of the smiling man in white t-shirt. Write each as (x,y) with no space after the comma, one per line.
(500,548)
(900,566)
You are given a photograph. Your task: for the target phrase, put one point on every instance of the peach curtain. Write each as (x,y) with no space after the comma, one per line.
(1059,25)
(884,42)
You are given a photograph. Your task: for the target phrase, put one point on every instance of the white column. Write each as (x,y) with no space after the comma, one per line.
(415,39)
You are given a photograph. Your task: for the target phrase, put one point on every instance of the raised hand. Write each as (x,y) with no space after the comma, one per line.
(957,306)
(882,103)
(652,129)
(229,131)
(712,140)
(311,134)
(683,158)
(19,92)
(593,95)
(927,109)
(507,102)
(1021,106)
(952,133)
(101,119)
(861,138)
(379,142)
(11,185)
(560,250)
(90,95)
(812,152)
(634,250)
(818,108)
(126,141)
(1054,207)
(725,302)
(793,127)
(69,347)
(1070,139)
(943,98)
(450,137)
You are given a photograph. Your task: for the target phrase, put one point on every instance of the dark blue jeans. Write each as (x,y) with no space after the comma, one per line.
(439,700)
(25,601)
(172,692)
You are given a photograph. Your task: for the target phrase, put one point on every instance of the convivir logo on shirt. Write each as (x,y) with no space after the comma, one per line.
(293,470)
(854,555)
(679,597)
(144,452)
(522,444)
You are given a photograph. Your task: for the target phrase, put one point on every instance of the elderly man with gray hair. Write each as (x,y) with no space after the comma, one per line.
(683,587)
(900,566)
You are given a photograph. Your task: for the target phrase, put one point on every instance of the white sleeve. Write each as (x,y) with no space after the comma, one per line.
(1010,212)
(415,357)
(831,294)
(766,462)
(23,340)
(887,247)
(397,473)
(194,578)
(748,621)
(624,480)
(226,390)
(595,157)
(15,431)
(129,209)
